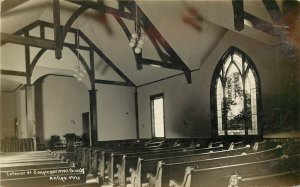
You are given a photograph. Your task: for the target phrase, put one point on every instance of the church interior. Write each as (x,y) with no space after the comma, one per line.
(149,93)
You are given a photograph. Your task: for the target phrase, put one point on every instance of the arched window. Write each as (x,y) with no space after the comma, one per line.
(235,90)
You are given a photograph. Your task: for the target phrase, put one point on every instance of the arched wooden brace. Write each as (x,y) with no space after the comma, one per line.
(138,57)
(105,58)
(35,60)
(83,62)
(163,56)
(43,50)
(71,20)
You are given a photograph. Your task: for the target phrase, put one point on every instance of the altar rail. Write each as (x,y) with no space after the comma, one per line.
(18,145)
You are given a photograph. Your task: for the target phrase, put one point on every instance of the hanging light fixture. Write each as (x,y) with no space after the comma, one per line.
(137,40)
(78,71)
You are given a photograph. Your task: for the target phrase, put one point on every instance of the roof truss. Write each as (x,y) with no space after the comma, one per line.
(46,44)
(169,60)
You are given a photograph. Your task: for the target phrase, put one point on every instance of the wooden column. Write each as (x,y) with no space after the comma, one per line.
(29,96)
(30,110)
(93,102)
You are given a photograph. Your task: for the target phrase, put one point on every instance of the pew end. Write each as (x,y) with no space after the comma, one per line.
(186,180)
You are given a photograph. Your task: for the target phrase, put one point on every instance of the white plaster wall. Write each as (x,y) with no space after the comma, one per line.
(58,101)
(7,114)
(20,104)
(116,112)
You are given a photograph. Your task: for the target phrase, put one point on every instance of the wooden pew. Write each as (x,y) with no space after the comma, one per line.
(103,157)
(219,176)
(88,156)
(92,156)
(173,168)
(122,162)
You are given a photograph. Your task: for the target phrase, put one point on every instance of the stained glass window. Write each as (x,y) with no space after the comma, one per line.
(235,92)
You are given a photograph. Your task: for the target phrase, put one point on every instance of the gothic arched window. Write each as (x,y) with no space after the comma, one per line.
(235,90)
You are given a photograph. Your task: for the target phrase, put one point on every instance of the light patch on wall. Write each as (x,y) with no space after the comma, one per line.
(158,117)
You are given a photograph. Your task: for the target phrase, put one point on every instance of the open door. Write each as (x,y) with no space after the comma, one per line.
(86,129)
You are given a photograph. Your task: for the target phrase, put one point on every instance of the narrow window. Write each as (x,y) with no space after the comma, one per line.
(157,115)
(235,89)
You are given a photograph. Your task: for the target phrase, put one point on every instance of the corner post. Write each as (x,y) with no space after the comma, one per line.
(93,103)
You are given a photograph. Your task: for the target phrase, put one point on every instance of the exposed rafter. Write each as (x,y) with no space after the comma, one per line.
(261,24)
(238,13)
(46,44)
(35,42)
(14,73)
(112,82)
(82,60)
(31,41)
(71,20)
(103,8)
(170,60)
(174,61)
(36,59)
(105,58)
(273,10)
(57,29)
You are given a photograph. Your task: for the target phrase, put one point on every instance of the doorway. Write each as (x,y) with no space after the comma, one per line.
(86,136)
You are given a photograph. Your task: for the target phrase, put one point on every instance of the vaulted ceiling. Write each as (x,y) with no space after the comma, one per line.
(191,28)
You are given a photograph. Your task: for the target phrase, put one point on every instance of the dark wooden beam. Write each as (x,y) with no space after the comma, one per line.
(25,29)
(51,42)
(42,32)
(31,41)
(82,60)
(164,57)
(273,10)
(150,62)
(92,69)
(139,64)
(57,30)
(261,24)
(7,5)
(71,20)
(123,26)
(14,73)
(105,9)
(148,25)
(169,77)
(138,57)
(51,25)
(238,13)
(99,81)
(27,62)
(81,47)
(104,57)
(36,59)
